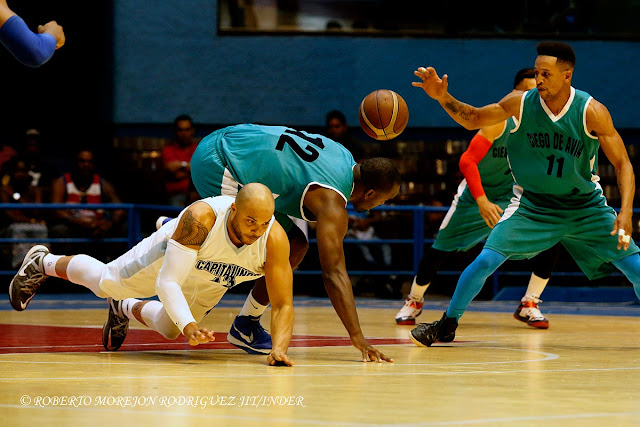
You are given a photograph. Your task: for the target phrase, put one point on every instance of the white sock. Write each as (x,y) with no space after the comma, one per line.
(417,291)
(155,316)
(535,288)
(86,271)
(49,262)
(252,307)
(127,306)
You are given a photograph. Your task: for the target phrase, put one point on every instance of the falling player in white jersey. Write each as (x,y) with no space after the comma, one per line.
(189,263)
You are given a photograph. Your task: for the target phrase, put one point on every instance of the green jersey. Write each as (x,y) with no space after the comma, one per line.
(553,158)
(287,161)
(495,173)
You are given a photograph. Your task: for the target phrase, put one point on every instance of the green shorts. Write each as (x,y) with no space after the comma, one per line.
(527,229)
(463,226)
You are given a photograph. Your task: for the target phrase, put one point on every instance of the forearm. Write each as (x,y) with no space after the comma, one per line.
(175,269)
(464,114)
(281,326)
(29,48)
(626,185)
(338,286)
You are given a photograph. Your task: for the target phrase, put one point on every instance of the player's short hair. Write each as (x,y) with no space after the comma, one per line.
(525,73)
(181,118)
(379,173)
(560,50)
(335,114)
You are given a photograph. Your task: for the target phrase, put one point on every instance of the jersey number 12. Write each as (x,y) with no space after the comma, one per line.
(309,153)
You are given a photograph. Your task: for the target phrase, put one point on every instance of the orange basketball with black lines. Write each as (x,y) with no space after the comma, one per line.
(383,114)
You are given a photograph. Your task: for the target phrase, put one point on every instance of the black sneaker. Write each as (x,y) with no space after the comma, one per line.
(30,276)
(443,330)
(115,328)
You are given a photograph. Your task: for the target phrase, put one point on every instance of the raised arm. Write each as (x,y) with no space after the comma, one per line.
(599,122)
(328,208)
(478,148)
(180,256)
(279,279)
(466,115)
(30,49)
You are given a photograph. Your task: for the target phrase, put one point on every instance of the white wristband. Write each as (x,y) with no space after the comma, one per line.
(176,266)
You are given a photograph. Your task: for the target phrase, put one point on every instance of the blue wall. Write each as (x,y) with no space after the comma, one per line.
(169,60)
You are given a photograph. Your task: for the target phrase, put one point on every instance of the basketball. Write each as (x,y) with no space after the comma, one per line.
(383,114)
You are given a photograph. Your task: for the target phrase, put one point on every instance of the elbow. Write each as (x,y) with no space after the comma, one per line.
(34,59)
(471,125)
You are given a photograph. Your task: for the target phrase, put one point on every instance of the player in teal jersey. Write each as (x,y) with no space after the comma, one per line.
(312,177)
(552,153)
(477,207)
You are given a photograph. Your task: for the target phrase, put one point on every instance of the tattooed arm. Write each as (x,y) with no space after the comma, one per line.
(194,225)
(180,256)
(467,115)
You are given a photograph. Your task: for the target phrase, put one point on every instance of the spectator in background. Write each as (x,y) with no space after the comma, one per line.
(84,185)
(41,172)
(6,153)
(338,130)
(17,187)
(176,158)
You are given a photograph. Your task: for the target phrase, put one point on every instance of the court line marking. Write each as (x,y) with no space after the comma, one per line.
(360,373)
(184,343)
(548,356)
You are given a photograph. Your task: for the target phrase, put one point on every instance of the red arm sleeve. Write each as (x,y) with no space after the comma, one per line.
(478,148)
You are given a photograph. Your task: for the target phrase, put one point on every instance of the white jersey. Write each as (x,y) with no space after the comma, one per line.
(220,264)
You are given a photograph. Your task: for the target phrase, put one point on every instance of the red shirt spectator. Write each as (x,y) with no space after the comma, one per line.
(176,158)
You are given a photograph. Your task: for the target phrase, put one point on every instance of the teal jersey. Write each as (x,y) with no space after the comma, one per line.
(287,161)
(495,173)
(554,156)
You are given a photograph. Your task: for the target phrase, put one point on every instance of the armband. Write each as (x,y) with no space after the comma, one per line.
(176,266)
(29,48)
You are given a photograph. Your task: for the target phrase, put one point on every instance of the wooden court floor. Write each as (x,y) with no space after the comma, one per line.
(583,371)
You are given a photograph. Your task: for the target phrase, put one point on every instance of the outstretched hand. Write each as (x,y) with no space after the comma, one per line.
(197,335)
(433,85)
(279,358)
(369,353)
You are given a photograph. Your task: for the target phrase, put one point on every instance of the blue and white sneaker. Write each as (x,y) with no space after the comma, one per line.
(248,334)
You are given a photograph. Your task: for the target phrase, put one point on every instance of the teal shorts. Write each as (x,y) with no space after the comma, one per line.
(527,229)
(463,226)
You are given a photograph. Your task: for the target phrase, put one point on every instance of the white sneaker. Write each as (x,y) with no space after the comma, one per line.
(529,313)
(25,283)
(408,313)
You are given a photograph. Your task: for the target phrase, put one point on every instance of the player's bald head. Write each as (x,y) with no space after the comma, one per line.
(255,196)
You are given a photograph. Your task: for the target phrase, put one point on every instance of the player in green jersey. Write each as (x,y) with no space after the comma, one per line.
(552,153)
(478,205)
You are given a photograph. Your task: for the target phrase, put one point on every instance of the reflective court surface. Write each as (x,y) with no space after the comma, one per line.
(584,370)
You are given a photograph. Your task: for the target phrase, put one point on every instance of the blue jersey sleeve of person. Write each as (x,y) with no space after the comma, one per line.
(29,48)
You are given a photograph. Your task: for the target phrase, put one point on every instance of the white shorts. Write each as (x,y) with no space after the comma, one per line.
(134,274)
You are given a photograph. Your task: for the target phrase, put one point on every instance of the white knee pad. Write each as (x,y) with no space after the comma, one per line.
(86,271)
